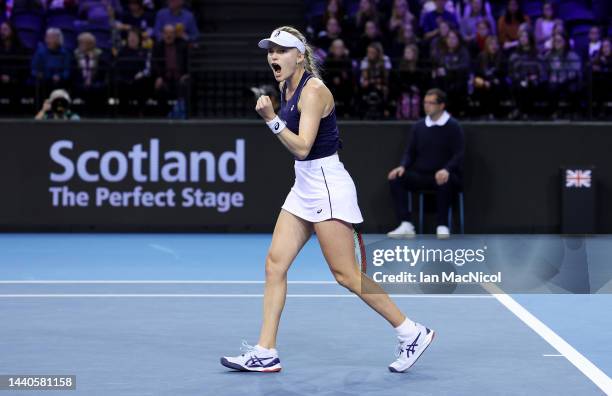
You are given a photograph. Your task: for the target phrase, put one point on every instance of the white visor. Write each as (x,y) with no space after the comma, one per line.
(284,39)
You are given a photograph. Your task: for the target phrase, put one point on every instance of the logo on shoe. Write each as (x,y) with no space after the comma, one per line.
(262,362)
(411,348)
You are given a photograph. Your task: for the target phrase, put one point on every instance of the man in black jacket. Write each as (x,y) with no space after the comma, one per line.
(433,160)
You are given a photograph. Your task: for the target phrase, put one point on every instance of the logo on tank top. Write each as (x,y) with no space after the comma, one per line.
(292,106)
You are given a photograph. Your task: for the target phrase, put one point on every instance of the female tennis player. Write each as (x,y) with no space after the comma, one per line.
(323,199)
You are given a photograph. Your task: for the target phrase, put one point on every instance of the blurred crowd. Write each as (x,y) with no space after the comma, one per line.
(496,59)
(137,48)
(493,59)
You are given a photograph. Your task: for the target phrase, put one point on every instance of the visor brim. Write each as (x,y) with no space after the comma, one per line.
(267,43)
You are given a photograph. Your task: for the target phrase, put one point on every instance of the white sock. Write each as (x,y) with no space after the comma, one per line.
(406,330)
(271,351)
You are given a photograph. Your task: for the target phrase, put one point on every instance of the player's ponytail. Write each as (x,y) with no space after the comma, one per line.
(310,63)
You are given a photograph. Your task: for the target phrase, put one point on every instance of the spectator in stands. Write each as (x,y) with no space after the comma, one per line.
(564,73)
(170,58)
(451,70)
(545,25)
(509,23)
(333,10)
(132,71)
(473,14)
(602,75)
(400,17)
(338,73)
(558,28)
(527,75)
(137,17)
(490,78)
(374,81)
(57,107)
(371,34)
(51,62)
(438,44)
(13,67)
(177,16)
(433,160)
(483,32)
(332,32)
(405,36)
(10,47)
(367,12)
(408,82)
(92,70)
(431,21)
(594,43)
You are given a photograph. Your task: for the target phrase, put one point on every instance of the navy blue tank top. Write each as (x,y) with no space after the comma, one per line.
(327,141)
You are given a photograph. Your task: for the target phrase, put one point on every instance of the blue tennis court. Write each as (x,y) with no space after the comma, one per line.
(150,314)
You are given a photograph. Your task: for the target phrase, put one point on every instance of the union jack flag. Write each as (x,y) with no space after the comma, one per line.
(578,178)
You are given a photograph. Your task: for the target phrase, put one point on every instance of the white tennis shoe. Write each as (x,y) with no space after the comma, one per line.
(404,230)
(442,231)
(254,358)
(408,351)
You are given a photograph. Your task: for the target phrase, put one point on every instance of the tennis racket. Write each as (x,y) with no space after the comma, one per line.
(360,251)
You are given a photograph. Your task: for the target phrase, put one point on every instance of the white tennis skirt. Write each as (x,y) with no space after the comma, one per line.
(323,190)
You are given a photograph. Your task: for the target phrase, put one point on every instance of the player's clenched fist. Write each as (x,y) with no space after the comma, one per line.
(264,108)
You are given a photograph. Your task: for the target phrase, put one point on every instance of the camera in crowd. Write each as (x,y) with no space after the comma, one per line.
(57,107)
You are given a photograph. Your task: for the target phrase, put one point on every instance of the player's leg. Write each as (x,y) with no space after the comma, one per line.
(337,243)
(290,235)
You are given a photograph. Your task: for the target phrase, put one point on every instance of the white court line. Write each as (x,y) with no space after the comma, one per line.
(583,364)
(216,295)
(195,282)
